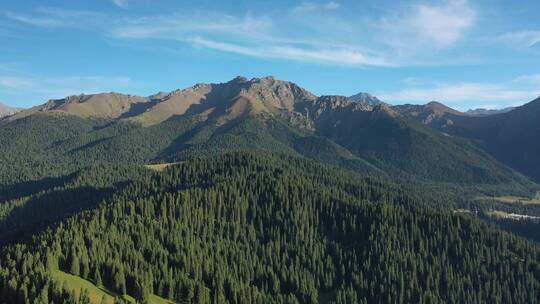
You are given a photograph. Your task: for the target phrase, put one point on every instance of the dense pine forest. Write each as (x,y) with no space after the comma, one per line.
(252,228)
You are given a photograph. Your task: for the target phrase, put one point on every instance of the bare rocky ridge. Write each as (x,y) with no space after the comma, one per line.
(487,112)
(366,98)
(225,101)
(433,114)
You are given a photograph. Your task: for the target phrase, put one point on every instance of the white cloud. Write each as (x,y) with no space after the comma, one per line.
(461,92)
(332,5)
(36,21)
(58,87)
(488,107)
(11,82)
(329,56)
(533,79)
(429,25)
(48,17)
(519,39)
(120,3)
(250,36)
(497,95)
(179,26)
(423,33)
(256,36)
(307,7)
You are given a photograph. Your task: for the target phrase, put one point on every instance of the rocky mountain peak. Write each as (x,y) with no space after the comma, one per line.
(333,101)
(439,107)
(366,98)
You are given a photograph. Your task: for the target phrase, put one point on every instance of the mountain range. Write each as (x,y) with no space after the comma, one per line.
(393,140)
(510,137)
(486,112)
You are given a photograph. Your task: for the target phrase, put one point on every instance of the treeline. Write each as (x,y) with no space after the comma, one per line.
(248,228)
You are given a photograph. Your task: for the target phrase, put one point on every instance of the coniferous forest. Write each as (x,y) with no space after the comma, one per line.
(249,228)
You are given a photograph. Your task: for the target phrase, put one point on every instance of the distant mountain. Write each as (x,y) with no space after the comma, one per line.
(269,114)
(432,113)
(367,98)
(7,111)
(389,141)
(487,112)
(511,137)
(225,101)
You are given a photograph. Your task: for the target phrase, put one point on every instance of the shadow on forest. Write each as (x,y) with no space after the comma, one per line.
(181,142)
(198,137)
(16,190)
(50,207)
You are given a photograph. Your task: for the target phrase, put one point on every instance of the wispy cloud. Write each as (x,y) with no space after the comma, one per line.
(330,56)
(179,26)
(53,17)
(417,33)
(120,3)
(422,27)
(11,82)
(255,36)
(58,87)
(519,39)
(260,36)
(460,95)
(533,79)
(316,6)
(35,21)
(423,24)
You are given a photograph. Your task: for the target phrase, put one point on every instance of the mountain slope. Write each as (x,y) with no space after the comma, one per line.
(103,105)
(510,137)
(274,115)
(394,144)
(433,114)
(247,228)
(53,145)
(223,101)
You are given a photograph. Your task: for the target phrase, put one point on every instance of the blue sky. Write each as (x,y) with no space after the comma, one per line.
(463,53)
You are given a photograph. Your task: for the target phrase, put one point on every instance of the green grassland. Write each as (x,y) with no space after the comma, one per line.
(509,199)
(96,293)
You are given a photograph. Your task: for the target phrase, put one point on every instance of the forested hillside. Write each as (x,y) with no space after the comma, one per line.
(510,136)
(248,228)
(39,148)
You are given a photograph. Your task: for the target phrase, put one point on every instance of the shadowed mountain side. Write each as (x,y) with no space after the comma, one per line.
(396,145)
(39,211)
(510,137)
(261,133)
